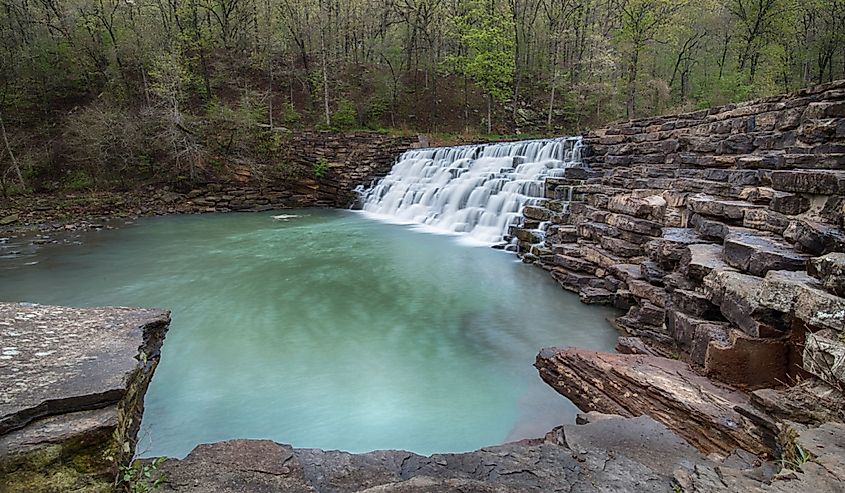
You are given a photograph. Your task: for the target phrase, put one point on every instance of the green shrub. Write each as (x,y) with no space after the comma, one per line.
(345,117)
(290,116)
(141,478)
(78,181)
(321,167)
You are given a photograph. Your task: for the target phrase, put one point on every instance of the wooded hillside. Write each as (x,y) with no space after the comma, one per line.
(97,93)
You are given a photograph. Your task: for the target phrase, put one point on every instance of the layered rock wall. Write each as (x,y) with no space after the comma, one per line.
(313,169)
(720,232)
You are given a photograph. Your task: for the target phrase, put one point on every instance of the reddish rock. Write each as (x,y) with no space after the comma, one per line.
(702,412)
(748,361)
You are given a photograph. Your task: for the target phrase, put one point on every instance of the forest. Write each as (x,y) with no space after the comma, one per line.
(99,93)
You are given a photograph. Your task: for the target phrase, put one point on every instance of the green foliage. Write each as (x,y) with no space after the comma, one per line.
(487,34)
(141,478)
(377,107)
(290,116)
(345,116)
(321,167)
(78,181)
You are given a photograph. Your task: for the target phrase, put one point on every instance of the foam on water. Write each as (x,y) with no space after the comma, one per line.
(475,190)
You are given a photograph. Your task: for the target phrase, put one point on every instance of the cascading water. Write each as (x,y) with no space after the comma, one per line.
(478,190)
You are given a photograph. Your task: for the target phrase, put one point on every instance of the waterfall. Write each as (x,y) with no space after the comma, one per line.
(477,190)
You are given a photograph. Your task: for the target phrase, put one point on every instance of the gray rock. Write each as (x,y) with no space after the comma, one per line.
(737,296)
(824,356)
(758,254)
(58,360)
(830,269)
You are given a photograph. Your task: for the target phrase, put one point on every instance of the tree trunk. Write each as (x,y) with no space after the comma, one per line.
(631,91)
(325,68)
(15,166)
(489,113)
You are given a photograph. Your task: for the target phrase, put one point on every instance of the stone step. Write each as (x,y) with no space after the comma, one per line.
(576,281)
(694,303)
(650,207)
(766,220)
(815,237)
(789,203)
(644,290)
(693,334)
(738,297)
(731,210)
(570,249)
(760,253)
(815,182)
(595,296)
(537,213)
(574,264)
(701,259)
(830,270)
(669,248)
(620,247)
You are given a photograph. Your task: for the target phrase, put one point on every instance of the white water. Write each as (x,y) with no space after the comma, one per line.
(478,190)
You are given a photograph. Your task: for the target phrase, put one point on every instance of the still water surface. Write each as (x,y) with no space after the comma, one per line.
(325,330)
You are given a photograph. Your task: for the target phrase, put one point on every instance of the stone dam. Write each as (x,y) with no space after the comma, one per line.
(719,233)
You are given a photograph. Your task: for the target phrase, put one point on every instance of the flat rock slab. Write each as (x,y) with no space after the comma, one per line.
(758,254)
(702,412)
(56,360)
(613,454)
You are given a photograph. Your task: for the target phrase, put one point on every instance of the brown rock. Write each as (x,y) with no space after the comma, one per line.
(748,361)
(632,385)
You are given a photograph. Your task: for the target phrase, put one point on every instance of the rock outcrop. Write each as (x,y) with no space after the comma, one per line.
(606,453)
(712,417)
(73,383)
(720,232)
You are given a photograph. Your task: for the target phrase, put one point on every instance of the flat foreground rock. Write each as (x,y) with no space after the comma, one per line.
(73,383)
(612,454)
(57,359)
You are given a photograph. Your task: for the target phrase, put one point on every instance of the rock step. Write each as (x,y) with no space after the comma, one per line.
(738,297)
(830,270)
(814,182)
(733,210)
(759,253)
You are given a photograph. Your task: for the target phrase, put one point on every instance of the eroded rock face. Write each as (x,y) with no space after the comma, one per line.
(73,382)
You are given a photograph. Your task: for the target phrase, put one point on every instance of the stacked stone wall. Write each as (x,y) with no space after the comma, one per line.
(720,232)
(314,169)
